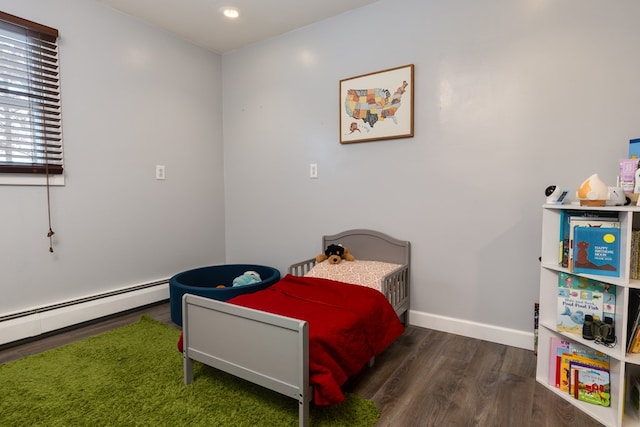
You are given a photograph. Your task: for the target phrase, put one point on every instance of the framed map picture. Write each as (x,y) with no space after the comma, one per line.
(377,105)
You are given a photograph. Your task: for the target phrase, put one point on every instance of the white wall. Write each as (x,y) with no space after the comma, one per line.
(510,97)
(135,96)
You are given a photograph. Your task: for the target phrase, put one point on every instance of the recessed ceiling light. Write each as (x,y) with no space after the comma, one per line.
(230,12)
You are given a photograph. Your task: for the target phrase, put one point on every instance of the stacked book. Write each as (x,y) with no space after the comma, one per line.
(590,244)
(580,371)
(634,265)
(633,325)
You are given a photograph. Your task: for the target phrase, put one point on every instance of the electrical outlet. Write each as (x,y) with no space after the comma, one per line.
(160,172)
(313,170)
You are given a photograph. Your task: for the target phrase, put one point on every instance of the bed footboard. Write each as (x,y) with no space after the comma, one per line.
(263,348)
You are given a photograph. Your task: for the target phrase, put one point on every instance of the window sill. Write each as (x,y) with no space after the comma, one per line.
(26,179)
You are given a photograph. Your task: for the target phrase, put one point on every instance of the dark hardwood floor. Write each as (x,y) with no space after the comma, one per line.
(425,378)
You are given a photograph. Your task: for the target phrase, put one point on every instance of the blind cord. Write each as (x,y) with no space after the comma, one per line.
(46,171)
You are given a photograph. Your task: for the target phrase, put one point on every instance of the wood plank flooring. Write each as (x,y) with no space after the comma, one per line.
(425,378)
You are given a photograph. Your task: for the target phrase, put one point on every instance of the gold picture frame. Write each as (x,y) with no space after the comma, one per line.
(377,105)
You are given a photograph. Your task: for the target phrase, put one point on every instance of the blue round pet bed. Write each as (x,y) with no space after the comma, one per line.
(203,281)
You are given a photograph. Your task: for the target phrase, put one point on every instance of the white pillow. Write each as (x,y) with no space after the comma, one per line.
(358,272)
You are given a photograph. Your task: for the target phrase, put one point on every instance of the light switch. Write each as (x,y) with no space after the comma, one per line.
(160,172)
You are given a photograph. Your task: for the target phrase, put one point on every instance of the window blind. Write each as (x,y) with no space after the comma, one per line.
(30,116)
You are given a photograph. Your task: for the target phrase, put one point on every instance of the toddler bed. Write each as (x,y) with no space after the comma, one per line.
(303,336)
(381,262)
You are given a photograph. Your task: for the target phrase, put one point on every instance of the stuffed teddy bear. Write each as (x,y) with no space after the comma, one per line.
(335,254)
(247,278)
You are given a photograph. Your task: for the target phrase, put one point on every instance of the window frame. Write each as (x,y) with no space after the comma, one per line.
(33,93)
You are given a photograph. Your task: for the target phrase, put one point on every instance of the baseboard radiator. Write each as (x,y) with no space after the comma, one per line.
(42,320)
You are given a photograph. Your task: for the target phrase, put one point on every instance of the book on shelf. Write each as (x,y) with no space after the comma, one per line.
(634,268)
(588,360)
(565,229)
(596,250)
(536,325)
(557,347)
(634,392)
(562,351)
(580,296)
(581,222)
(590,384)
(633,323)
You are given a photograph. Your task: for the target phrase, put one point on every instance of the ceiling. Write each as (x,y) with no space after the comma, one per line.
(202,23)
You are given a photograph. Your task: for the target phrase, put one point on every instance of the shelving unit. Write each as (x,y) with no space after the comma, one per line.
(620,413)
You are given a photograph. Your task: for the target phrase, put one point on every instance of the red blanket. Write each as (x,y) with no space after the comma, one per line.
(348,324)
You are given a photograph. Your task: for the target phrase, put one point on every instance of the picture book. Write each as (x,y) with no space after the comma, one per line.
(634,256)
(633,336)
(579,296)
(634,392)
(557,347)
(590,384)
(568,358)
(589,223)
(560,347)
(596,251)
(575,366)
(634,318)
(635,344)
(536,324)
(565,217)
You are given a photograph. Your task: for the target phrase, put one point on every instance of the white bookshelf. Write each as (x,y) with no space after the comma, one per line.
(620,413)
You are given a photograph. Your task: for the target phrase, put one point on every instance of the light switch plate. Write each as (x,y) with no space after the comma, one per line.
(160,172)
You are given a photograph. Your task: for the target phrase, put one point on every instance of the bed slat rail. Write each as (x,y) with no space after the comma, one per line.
(395,288)
(263,348)
(303,267)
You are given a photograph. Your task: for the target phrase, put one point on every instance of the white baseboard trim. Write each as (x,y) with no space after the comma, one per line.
(482,331)
(43,321)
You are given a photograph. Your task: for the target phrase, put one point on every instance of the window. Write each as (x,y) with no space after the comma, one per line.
(30,116)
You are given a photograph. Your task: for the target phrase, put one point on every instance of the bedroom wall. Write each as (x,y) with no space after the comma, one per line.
(136,96)
(510,97)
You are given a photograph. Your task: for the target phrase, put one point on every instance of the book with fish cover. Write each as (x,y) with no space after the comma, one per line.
(579,296)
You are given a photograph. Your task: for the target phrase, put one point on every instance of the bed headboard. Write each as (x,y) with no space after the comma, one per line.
(371,245)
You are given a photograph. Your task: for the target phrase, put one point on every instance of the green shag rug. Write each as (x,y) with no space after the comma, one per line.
(132,376)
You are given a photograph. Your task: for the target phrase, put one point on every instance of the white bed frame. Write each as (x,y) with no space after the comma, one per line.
(272,350)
